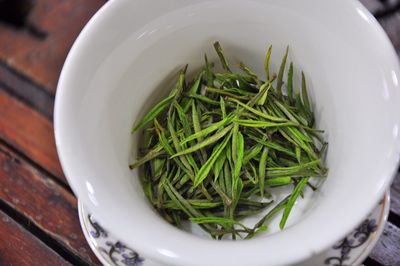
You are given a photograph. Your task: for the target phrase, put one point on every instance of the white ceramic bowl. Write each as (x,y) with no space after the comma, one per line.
(130,47)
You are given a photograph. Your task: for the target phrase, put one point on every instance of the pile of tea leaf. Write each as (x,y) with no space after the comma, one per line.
(218,145)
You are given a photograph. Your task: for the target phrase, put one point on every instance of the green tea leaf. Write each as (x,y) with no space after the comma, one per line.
(250,72)
(199,134)
(256,112)
(164,143)
(261,170)
(266,62)
(261,124)
(252,152)
(293,197)
(158,108)
(226,93)
(269,216)
(182,117)
(272,145)
(154,112)
(263,98)
(220,53)
(177,145)
(298,153)
(196,126)
(235,132)
(205,169)
(223,107)
(279,181)
(239,156)
(193,90)
(289,85)
(157,151)
(219,164)
(291,170)
(208,72)
(203,99)
(217,220)
(223,140)
(281,72)
(304,93)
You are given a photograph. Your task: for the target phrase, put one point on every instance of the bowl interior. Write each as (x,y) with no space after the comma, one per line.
(119,67)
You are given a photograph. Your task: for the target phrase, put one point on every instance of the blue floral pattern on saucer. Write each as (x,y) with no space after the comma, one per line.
(351,250)
(117,252)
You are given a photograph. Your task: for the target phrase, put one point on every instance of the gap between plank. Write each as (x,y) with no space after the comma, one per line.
(25,78)
(38,167)
(382,14)
(371,262)
(33,94)
(394,219)
(27,100)
(41,235)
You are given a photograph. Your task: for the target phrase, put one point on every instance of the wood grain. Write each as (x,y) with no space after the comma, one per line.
(45,203)
(387,251)
(395,197)
(41,59)
(30,133)
(19,247)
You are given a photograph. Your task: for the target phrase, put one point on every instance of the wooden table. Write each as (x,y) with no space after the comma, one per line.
(38,212)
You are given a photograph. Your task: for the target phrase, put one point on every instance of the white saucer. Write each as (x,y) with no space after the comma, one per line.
(352,250)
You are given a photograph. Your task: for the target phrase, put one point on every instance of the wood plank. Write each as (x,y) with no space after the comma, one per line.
(372,5)
(45,203)
(381,8)
(387,251)
(31,94)
(391,24)
(19,247)
(30,133)
(41,58)
(395,196)
(389,7)
(390,3)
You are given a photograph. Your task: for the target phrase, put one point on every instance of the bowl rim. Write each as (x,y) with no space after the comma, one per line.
(149,249)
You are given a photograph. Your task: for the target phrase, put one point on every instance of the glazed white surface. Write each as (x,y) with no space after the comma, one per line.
(354,253)
(113,75)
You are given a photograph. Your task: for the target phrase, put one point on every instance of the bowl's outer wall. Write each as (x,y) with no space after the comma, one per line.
(130,47)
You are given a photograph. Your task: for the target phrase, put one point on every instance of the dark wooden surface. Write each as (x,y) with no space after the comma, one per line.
(38,213)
